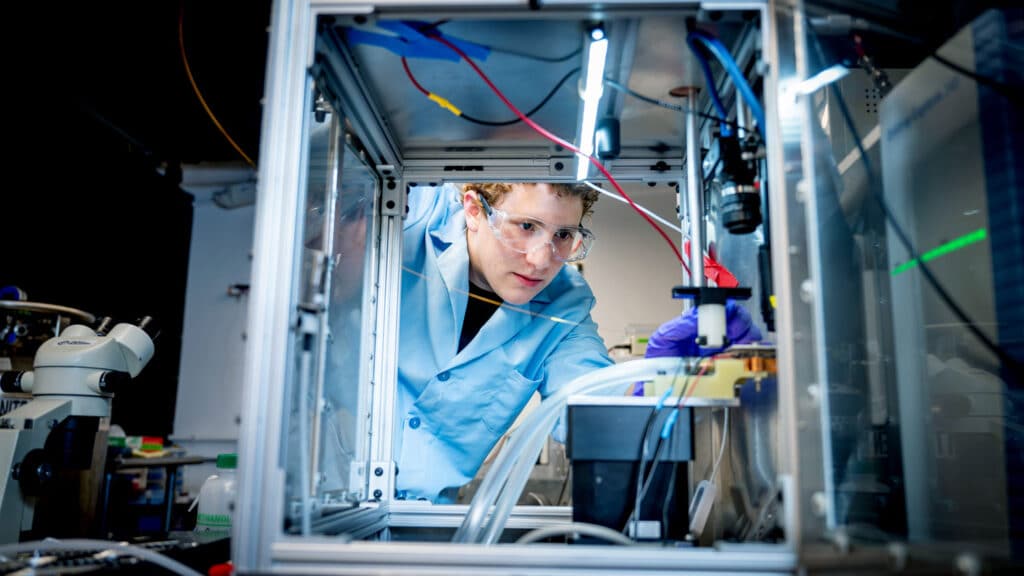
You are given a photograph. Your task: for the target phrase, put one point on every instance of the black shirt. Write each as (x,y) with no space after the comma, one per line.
(477,313)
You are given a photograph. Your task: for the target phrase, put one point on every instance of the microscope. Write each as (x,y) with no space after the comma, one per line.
(54,436)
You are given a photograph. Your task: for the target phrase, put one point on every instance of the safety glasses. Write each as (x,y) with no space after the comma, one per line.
(525,234)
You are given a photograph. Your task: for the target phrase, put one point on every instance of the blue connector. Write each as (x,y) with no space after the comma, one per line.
(666,429)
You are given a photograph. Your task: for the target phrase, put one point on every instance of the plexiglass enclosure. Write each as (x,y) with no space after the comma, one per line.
(877,423)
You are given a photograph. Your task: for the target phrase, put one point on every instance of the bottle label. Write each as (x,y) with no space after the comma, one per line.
(213,521)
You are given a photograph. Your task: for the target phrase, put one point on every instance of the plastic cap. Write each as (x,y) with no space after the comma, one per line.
(229,461)
(225,569)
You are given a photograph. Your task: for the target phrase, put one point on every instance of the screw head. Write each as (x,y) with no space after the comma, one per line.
(377,494)
(378,471)
(819,503)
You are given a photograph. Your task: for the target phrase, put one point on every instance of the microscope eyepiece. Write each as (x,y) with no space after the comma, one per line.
(149,326)
(106,323)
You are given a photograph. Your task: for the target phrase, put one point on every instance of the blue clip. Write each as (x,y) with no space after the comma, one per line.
(669,422)
(409,41)
(664,397)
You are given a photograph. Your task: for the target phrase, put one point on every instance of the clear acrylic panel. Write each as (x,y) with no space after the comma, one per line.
(326,447)
(344,442)
(921,355)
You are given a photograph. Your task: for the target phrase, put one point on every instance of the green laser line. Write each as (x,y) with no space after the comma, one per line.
(951,246)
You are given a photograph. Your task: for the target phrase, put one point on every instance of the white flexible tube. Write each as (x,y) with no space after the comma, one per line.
(721,449)
(583,528)
(498,475)
(496,478)
(517,479)
(489,488)
(99,546)
(639,207)
(520,473)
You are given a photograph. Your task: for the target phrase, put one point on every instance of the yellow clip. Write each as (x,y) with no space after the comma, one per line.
(445,104)
(772,300)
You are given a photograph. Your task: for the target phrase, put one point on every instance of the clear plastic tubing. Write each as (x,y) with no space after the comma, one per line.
(520,472)
(528,439)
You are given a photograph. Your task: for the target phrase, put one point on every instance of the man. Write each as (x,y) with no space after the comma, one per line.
(490,315)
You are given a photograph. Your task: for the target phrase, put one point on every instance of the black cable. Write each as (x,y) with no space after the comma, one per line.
(1011,91)
(509,51)
(644,486)
(552,59)
(474,120)
(675,107)
(643,443)
(565,484)
(641,492)
(109,124)
(669,497)
(643,456)
(679,404)
(536,108)
(1006,89)
(1011,363)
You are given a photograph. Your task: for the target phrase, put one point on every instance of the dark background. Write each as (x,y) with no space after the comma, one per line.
(101,119)
(100,116)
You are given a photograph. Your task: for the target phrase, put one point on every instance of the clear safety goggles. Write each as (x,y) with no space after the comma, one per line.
(525,234)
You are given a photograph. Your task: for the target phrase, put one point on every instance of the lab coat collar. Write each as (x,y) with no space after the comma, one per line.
(453,265)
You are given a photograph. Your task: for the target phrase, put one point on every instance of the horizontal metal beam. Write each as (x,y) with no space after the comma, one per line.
(426,515)
(442,558)
(552,169)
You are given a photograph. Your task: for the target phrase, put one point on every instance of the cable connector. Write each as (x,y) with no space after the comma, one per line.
(444,103)
(663,399)
(666,429)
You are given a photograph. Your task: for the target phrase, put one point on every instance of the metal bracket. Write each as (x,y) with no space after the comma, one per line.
(381,475)
(392,201)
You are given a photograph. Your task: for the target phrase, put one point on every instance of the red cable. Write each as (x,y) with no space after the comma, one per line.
(543,132)
(405,64)
(858,46)
(693,385)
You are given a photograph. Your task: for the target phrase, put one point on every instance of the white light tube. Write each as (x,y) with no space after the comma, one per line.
(593,88)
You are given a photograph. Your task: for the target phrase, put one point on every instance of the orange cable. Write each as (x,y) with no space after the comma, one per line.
(195,88)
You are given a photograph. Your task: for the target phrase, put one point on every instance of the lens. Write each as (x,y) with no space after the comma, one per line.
(521,233)
(567,243)
(573,245)
(740,209)
(524,234)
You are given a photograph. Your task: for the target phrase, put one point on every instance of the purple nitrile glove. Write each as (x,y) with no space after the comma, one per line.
(678,337)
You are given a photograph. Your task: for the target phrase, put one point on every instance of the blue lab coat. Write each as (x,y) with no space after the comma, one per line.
(454,406)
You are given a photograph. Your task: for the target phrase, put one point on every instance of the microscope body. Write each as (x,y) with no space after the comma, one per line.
(74,378)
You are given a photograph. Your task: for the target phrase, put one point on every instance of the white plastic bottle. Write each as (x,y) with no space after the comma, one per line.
(217,497)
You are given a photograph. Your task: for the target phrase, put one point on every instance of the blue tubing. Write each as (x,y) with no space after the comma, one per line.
(719,51)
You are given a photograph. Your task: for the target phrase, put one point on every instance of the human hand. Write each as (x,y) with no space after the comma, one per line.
(678,336)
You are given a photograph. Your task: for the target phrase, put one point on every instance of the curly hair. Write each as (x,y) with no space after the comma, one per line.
(494,191)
